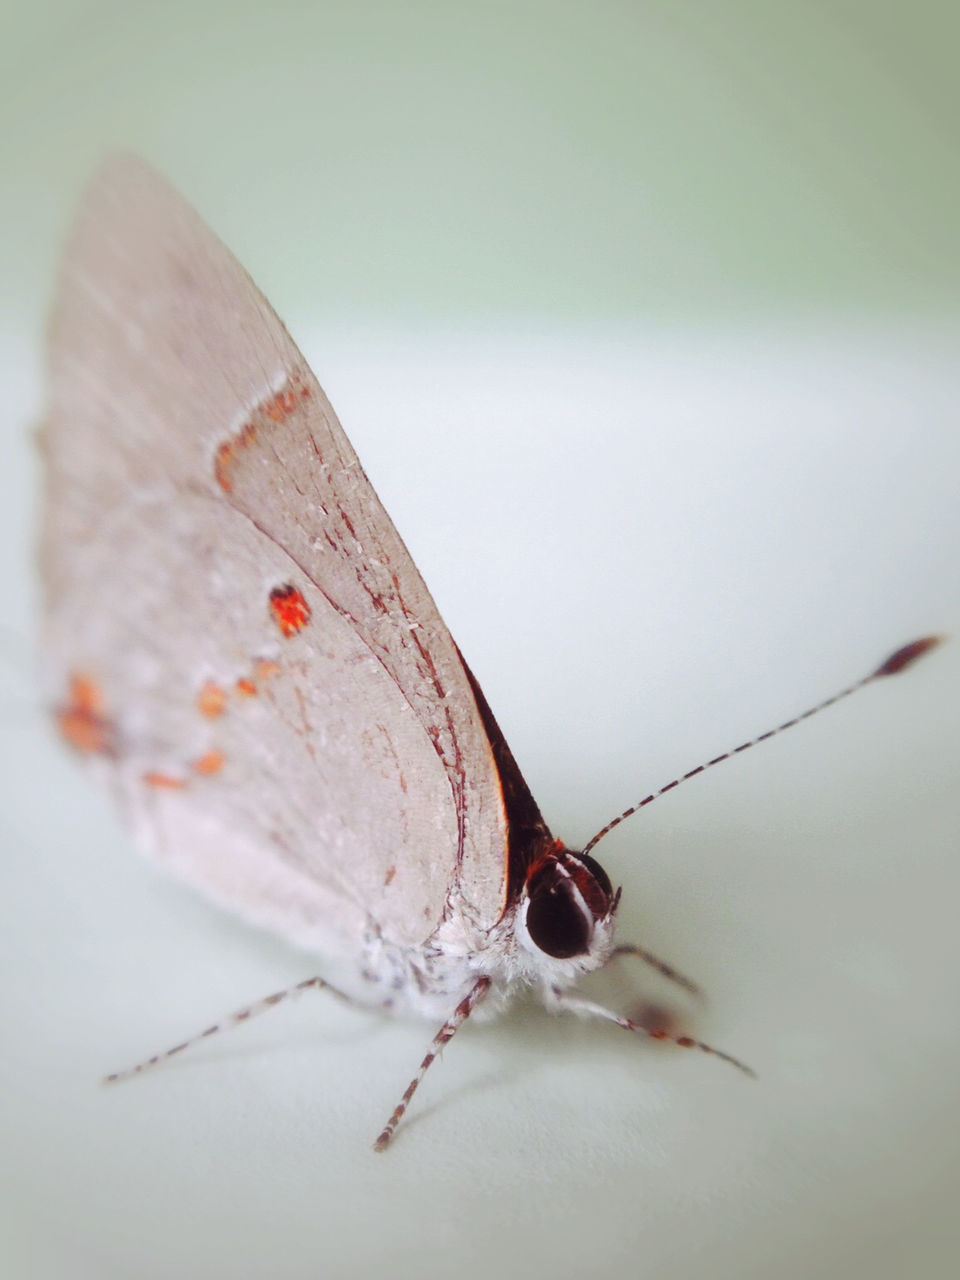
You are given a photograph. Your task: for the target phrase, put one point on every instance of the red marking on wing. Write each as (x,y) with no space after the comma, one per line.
(290,610)
(281,406)
(388,878)
(226,454)
(85,694)
(246,688)
(277,409)
(81,722)
(164,781)
(210,763)
(211,700)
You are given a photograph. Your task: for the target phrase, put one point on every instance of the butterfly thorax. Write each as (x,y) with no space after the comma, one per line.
(559,927)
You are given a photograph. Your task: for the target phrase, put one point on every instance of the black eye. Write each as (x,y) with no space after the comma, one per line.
(598,873)
(556,920)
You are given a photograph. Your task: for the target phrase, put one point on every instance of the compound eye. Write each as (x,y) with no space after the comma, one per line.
(598,873)
(557,921)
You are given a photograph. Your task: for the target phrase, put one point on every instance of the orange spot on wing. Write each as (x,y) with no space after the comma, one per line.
(281,406)
(211,700)
(266,669)
(164,781)
(210,763)
(226,455)
(275,409)
(290,610)
(81,722)
(85,694)
(85,733)
(246,688)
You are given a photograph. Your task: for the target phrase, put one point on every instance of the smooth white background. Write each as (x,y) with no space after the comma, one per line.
(655,530)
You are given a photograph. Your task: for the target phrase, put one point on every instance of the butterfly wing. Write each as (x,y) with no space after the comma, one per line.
(234,631)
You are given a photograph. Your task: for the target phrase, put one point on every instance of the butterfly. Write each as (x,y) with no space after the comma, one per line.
(237,640)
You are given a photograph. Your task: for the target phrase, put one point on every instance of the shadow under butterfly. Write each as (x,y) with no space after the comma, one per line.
(237,640)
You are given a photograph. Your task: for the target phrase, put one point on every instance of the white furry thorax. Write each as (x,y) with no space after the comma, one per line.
(429,981)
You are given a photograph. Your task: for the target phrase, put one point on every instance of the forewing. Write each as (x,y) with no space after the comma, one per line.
(234,630)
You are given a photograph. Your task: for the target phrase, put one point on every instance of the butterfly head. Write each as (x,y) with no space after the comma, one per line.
(566,910)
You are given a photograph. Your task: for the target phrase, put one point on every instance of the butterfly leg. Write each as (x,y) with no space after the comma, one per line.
(446,1033)
(232,1020)
(563,1002)
(668,971)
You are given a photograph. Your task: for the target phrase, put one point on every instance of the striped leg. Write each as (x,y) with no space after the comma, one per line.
(630,949)
(446,1032)
(563,1002)
(232,1020)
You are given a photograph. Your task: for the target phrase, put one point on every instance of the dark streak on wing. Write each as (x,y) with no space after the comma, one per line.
(458,777)
(527,833)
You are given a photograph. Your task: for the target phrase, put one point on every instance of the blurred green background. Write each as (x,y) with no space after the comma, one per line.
(550,160)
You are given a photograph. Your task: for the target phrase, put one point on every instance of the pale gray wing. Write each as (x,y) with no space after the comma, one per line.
(234,630)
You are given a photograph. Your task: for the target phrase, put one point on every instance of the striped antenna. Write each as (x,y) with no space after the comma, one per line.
(898,661)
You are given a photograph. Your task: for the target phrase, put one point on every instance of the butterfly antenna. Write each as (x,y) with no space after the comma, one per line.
(897,662)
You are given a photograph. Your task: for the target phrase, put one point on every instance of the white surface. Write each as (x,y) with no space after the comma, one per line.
(649,548)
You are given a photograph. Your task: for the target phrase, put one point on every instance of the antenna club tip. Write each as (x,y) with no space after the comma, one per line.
(908,655)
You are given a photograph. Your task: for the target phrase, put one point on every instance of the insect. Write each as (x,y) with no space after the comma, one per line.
(237,640)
